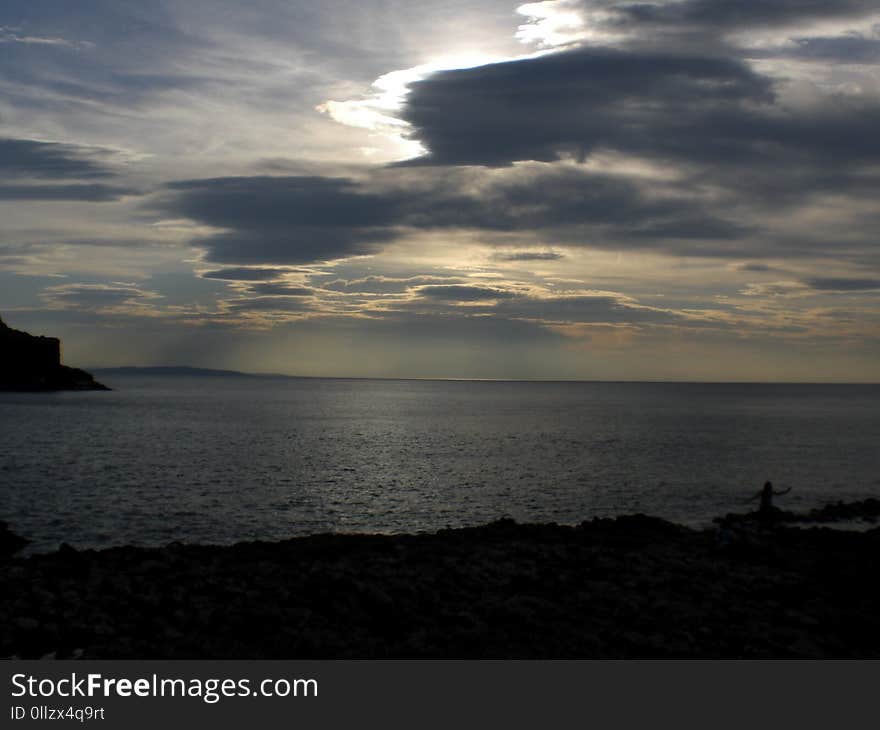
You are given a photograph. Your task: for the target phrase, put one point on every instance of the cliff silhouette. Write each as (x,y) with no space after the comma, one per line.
(28,362)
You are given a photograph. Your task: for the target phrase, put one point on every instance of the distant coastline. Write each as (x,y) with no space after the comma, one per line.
(171,370)
(189,371)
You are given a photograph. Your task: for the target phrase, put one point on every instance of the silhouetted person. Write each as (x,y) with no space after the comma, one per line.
(766,508)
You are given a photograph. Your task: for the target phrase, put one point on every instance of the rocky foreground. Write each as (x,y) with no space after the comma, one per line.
(628,587)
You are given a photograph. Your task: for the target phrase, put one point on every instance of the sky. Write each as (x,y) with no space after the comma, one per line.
(574,189)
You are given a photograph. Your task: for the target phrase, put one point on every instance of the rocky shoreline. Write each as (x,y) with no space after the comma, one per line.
(629,587)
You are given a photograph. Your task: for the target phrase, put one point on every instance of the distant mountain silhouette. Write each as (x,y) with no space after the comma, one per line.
(173,370)
(178,370)
(34,363)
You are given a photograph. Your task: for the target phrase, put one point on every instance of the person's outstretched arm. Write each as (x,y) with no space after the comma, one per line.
(784,491)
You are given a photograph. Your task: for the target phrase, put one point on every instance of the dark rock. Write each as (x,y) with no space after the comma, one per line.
(34,363)
(632,587)
(866,510)
(10,543)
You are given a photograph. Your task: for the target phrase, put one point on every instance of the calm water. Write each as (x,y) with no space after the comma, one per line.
(225,459)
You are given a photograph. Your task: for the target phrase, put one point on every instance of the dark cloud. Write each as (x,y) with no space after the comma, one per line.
(47,171)
(96,296)
(91,192)
(297,245)
(462,293)
(284,220)
(570,104)
(291,220)
(849,49)
(241,273)
(27,158)
(753,266)
(724,16)
(558,198)
(843,284)
(709,114)
(280,305)
(281,202)
(586,309)
(683,228)
(529,256)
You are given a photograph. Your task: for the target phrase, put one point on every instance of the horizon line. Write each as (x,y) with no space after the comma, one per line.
(244,373)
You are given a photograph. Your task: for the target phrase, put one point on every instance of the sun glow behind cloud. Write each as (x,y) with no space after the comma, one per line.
(550,26)
(376,112)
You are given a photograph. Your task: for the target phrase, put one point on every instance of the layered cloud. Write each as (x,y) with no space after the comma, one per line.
(462,293)
(713,117)
(570,104)
(39,170)
(592,173)
(241,273)
(720,17)
(35,159)
(101,297)
(296,220)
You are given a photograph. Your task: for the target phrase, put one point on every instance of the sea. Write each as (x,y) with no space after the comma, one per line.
(223,459)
